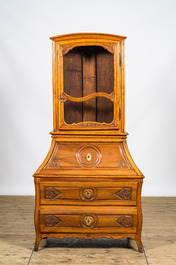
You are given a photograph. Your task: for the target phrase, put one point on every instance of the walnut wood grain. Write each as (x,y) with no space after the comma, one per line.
(89,85)
(103,156)
(72,71)
(105,83)
(93,221)
(118,193)
(88,186)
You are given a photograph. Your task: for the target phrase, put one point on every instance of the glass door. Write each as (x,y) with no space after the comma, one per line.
(88,93)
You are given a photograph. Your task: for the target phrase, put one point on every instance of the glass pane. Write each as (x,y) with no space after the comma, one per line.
(99,110)
(88,70)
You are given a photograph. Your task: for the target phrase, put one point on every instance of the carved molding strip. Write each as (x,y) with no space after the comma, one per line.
(87,235)
(91,123)
(124,194)
(109,48)
(51,193)
(64,97)
(51,220)
(122,164)
(53,161)
(66,49)
(125,221)
(87,123)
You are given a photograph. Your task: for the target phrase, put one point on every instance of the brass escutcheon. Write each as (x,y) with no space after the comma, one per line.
(88,221)
(89,157)
(88,193)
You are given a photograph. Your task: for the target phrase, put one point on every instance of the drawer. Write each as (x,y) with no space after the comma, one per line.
(86,193)
(88,220)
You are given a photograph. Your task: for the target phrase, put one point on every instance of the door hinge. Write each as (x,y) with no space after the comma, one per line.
(119,114)
(120,59)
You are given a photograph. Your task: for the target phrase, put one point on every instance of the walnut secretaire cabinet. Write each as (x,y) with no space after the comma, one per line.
(88,185)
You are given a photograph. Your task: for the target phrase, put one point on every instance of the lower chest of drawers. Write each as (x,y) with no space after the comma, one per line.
(88,206)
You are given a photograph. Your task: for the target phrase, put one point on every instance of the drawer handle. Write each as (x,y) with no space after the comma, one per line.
(89,157)
(88,221)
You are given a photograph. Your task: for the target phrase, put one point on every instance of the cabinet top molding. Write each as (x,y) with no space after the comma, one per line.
(74,36)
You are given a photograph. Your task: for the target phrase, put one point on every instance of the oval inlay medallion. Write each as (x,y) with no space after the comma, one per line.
(88,156)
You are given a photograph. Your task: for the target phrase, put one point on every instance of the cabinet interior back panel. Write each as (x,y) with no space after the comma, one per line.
(88,70)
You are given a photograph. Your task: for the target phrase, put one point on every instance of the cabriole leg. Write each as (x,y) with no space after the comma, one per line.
(139,245)
(37,243)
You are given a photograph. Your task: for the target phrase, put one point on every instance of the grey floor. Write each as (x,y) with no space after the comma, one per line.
(17,238)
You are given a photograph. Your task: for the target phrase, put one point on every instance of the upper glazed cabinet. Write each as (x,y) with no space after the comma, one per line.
(88,83)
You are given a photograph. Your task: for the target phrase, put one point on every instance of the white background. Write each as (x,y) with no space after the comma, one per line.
(26,83)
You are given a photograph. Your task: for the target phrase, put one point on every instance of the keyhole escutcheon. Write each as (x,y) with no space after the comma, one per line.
(88,157)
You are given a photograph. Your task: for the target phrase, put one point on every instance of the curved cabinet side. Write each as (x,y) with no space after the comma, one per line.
(127,152)
(46,159)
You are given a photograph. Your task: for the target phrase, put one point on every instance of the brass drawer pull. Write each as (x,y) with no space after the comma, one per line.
(89,157)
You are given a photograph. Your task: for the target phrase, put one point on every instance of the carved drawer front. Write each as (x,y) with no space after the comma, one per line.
(103,219)
(102,193)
